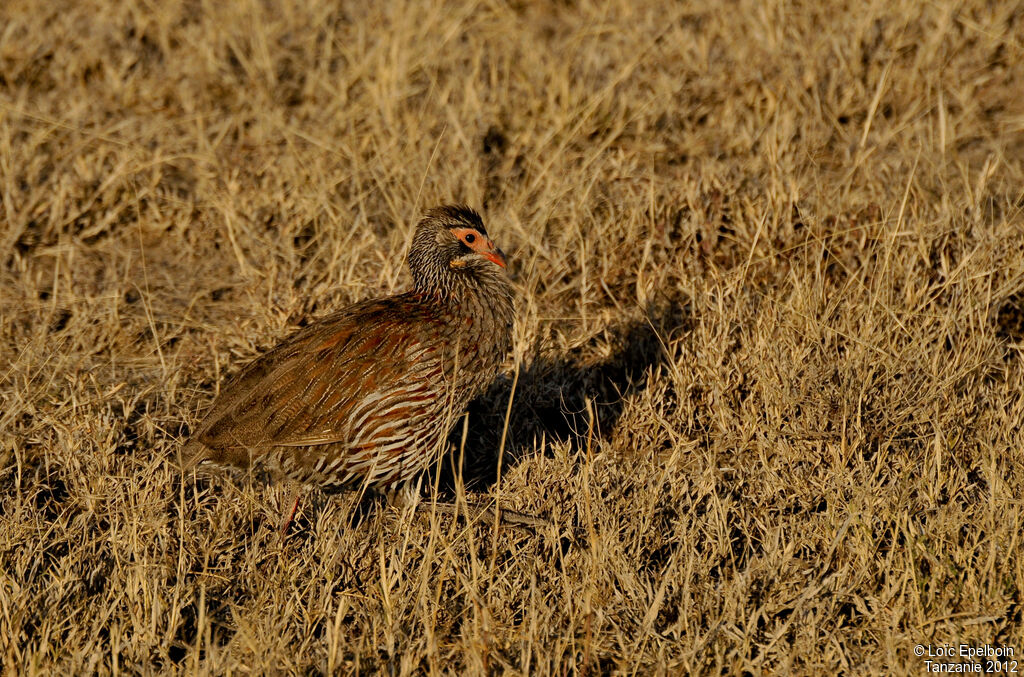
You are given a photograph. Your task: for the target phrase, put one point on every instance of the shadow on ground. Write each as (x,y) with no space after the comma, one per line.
(575,397)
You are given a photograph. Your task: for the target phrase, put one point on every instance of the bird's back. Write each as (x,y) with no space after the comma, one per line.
(363,395)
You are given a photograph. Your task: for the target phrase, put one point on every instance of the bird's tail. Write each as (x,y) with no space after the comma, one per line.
(191,454)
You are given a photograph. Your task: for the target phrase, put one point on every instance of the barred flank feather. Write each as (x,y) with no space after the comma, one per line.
(366,396)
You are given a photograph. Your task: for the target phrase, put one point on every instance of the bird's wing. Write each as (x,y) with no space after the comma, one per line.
(324,384)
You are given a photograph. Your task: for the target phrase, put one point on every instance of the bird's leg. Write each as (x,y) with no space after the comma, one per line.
(486,509)
(404,496)
(408,495)
(291,514)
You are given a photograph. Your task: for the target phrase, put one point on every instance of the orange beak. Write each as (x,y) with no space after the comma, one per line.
(496,255)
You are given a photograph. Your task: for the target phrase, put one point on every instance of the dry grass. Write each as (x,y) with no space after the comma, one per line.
(770,354)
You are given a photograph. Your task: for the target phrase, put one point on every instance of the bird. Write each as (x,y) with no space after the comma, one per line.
(365,397)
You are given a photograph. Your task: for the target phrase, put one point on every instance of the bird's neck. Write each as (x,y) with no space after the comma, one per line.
(485,294)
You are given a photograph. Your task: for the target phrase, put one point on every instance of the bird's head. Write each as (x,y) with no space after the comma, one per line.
(451,249)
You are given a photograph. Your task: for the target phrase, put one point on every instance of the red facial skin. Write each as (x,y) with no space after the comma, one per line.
(472,238)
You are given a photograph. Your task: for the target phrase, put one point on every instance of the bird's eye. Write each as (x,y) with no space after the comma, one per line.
(470,237)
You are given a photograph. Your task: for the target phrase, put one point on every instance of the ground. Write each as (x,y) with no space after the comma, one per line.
(768,377)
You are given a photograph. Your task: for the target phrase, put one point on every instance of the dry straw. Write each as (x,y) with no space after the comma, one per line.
(769,348)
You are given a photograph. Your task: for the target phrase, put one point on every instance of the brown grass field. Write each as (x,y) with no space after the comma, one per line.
(768,375)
